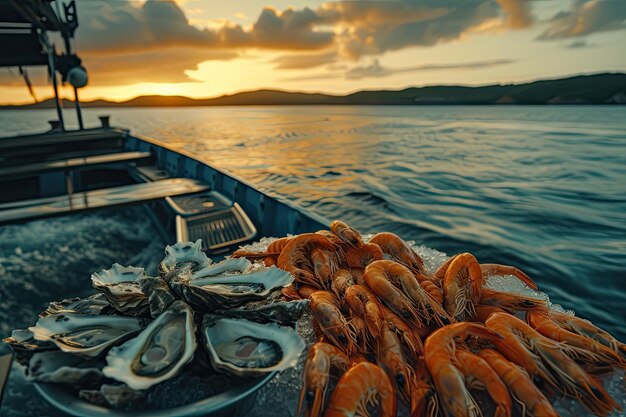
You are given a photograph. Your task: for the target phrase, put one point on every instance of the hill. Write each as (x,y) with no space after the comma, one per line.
(583,89)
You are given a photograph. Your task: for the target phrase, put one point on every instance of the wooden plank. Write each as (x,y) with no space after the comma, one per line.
(5,369)
(9,143)
(106,197)
(48,166)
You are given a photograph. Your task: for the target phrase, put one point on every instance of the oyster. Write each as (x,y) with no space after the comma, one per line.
(25,346)
(159,294)
(84,335)
(119,285)
(63,368)
(158,352)
(183,259)
(227,291)
(93,305)
(249,349)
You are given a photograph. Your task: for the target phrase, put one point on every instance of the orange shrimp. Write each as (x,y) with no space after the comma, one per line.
(439,354)
(597,356)
(389,356)
(409,338)
(424,401)
(305,291)
(431,288)
(294,258)
(278,245)
(321,359)
(359,329)
(364,304)
(364,255)
(509,301)
(349,235)
(357,275)
(290,292)
(461,286)
(325,308)
(427,309)
(341,281)
(546,359)
(584,328)
(376,279)
(399,251)
(361,387)
(478,374)
(520,386)
(325,265)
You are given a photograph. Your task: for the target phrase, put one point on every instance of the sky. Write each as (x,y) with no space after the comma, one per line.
(207,48)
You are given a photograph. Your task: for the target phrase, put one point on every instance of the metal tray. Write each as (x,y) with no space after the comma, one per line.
(220,404)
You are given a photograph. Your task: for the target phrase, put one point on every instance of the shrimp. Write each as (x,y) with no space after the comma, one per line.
(294,258)
(364,304)
(290,292)
(461,286)
(585,328)
(341,282)
(325,308)
(431,288)
(478,374)
(357,275)
(390,357)
(376,279)
(588,350)
(364,255)
(509,301)
(359,329)
(439,354)
(398,250)
(409,339)
(424,400)
(325,265)
(521,387)
(321,358)
(349,235)
(363,386)
(427,309)
(305,291)
(496,269)
(546,358)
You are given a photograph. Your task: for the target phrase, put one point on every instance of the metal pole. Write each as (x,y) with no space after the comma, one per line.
(56,95)
(79,114)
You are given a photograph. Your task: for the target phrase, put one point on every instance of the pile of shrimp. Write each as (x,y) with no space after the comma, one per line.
(387,331)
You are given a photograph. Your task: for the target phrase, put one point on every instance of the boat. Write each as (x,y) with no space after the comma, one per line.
(63,172)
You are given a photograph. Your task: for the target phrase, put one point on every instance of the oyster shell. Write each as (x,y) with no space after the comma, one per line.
(160,296)
(158,352)
(183,259)
(249,349)
(227,291)
(93,305)
(119,285)
(63,368)
(84,335)
(25,346)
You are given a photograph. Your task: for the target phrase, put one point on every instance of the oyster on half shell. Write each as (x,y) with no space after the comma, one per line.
(63,368)
(226,291)
(158,353)
(119,285)
(182,260)
(84,335)
(249,349)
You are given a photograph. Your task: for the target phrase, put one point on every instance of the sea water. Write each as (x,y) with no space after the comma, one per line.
(542,188)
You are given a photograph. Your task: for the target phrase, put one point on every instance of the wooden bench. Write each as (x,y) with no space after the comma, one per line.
(22,171)
(106,197)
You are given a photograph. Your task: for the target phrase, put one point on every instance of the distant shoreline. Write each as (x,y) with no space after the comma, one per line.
(602,89)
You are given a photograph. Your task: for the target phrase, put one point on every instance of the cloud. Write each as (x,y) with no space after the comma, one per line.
(586,17)
(375,70)
(304,61)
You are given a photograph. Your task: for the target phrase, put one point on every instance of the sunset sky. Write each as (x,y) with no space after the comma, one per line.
(205,48)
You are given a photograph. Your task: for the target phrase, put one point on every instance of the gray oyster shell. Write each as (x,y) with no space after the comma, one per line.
(63,368)
(158,353)
(182,260)
(93,305)
(285,313)
(249,349)
(160,296)
(119,285)
(84,335)
(226,291)
(25,346)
